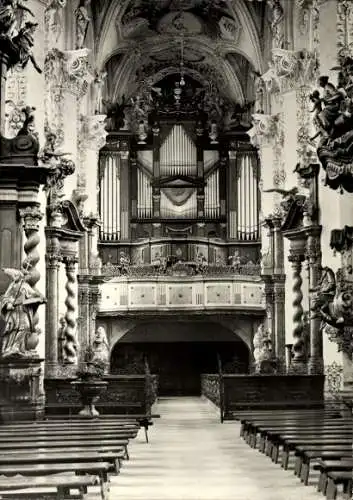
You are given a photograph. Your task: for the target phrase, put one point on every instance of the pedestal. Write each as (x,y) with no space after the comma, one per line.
(90,391)
(21,389)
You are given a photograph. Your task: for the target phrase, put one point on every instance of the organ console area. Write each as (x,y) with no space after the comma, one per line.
(178,191)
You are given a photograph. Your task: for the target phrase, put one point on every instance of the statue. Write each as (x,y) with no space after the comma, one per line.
(100,346)
(265,362)
(277,16)
(24,42)
(9,10)
(54,18)
(323,294)
(61,339)
(82,22)
(234,260)
(124,262)
(98,85)
(59,166)
(115,114)
(18,306)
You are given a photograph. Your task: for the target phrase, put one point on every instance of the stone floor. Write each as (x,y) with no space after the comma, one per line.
(192,456)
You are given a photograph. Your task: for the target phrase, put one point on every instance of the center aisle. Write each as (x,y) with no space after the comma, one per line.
(192,456)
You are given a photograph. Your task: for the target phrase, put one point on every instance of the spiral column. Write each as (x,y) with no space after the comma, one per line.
(299,350)
(70,346)
(31,217)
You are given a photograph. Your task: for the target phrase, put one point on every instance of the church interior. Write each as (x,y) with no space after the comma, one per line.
(176,249)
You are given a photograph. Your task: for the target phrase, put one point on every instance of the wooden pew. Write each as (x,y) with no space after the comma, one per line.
(99,469)
(326,466)
(63,485)
(305,454)
(339,477)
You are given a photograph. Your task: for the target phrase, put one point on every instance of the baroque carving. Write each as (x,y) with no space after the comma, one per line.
(334,124)
(59,167)
(18,306)
(83,20)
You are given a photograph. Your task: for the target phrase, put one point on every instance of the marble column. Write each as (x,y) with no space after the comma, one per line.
(53,261)
(83,331)
(70,347)
(299,364)
(279,319)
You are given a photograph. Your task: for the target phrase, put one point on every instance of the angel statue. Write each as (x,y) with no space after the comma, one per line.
(18,307)
(9,10)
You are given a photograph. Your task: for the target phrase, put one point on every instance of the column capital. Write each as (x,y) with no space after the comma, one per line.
(53,260)
(70,262)
(31,216)
(69,70)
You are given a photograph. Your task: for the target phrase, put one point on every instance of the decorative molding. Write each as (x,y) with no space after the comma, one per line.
(265,129)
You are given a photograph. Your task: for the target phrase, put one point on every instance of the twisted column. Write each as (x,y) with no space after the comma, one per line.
(31,217)
(70,347)
(299,355)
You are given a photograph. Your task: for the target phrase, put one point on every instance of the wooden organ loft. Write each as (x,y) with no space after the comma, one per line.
(179,193)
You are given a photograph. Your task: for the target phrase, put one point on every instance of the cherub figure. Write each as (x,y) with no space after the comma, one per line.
(54,17)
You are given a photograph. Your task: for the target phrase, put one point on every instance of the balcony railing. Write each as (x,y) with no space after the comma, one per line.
(181,269)
(188,293)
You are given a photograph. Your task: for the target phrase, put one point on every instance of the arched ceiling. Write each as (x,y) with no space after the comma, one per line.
(141,41)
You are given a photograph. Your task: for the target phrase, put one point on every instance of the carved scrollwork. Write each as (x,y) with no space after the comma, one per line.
(265,128)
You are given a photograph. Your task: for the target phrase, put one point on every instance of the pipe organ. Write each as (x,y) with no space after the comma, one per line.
(179,185)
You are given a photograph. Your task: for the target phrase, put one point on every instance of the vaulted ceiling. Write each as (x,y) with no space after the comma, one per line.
(218,43)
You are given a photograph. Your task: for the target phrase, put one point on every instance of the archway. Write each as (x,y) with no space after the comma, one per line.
(179,353)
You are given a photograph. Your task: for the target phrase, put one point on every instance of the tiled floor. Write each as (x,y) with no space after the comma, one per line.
(191,456)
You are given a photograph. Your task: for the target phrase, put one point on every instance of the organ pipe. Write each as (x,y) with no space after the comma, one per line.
(212,202)
(247,199)
(110,198)
(178,154)
(144,196)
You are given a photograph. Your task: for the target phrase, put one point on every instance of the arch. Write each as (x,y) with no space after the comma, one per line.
(109,39)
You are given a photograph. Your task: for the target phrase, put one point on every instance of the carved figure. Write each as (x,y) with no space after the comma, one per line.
(82,22)
(124,262)
(54,17)
(28,124)
(98,85)
(61,338)
(24,42)
(277,16)
(100,346)
(265,362)
(115,114)
(323,294)
(9,10)
(234,260)
(18,306)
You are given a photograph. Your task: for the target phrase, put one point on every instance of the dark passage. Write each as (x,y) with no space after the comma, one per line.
(179,364)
